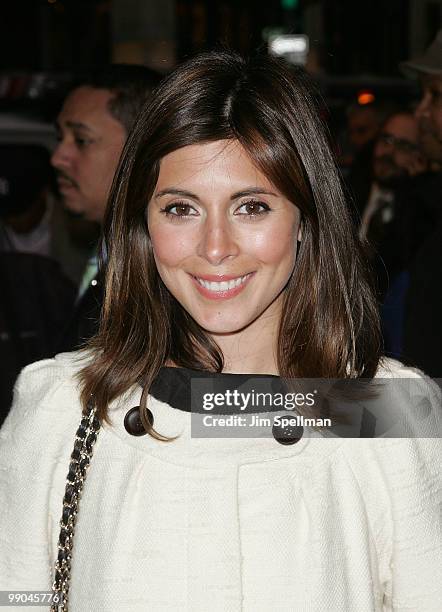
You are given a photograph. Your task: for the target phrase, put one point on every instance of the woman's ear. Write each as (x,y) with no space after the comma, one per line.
(300,228)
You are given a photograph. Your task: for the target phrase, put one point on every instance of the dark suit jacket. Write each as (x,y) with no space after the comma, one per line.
(85,318)
(35,296)
(423,322)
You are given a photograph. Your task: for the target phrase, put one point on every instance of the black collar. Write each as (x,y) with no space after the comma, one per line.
(173,386)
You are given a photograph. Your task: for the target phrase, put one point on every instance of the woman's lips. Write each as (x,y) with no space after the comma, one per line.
(224,287)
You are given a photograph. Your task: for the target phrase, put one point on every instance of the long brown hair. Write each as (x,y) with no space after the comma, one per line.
(329,327)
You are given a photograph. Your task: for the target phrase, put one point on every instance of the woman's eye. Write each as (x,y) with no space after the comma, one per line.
(179,210)
(253,208)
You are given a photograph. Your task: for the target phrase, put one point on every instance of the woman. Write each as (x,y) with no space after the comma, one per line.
(230,253)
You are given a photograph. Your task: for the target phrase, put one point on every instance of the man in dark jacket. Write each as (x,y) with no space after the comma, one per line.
(93,126)
(35,291)
(423,317)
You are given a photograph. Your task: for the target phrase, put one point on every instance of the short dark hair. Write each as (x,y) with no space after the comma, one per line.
(329,326)
(131,85)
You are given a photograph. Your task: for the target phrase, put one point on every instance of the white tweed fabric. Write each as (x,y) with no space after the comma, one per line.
(219,525)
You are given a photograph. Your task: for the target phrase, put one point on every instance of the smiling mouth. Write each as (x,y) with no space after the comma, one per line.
(221,289)
(222,285)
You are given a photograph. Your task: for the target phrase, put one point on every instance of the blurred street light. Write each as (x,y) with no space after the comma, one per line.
(293,47)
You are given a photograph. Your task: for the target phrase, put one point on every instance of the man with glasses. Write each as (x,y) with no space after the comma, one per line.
(397,153)
(396,157)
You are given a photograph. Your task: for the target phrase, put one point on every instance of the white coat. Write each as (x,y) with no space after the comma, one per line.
(226,525)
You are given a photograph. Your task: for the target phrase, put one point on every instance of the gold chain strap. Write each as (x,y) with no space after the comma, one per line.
(80,459)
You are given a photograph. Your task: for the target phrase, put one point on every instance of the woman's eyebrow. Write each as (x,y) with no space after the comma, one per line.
(238,194)
(173,191)
(252,191)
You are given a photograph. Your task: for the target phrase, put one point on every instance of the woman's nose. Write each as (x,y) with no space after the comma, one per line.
(217,241)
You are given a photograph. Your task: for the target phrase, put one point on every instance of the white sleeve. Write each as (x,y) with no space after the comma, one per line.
(414,478)
(412,475)
(401,482)
(30,452)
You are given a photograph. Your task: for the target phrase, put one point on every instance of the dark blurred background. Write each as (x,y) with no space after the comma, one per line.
(354,47)
(348,37)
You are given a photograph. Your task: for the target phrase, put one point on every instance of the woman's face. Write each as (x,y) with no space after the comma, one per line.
(224,238)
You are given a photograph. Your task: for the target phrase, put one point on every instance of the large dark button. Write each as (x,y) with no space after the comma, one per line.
(286,433)
(133,424)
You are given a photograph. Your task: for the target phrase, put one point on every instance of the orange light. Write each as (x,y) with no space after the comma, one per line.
(365,97)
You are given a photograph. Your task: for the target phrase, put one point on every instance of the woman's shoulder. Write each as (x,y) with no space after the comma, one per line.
(405,424)
(66,363)
(39,378)
(46,395)
(392,368)
(409,400)
(404,444)
(42,377)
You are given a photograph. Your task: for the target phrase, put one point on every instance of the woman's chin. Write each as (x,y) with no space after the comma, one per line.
(222,327)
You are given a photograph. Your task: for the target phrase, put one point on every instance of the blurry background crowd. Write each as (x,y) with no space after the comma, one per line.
(73,74)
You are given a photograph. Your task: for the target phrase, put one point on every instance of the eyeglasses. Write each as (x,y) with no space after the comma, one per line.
(405,146)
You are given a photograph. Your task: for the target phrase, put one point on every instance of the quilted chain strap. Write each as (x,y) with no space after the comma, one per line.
(80,459)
